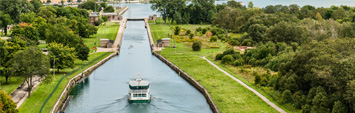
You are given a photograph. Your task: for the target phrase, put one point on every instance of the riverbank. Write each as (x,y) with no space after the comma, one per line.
(34,103)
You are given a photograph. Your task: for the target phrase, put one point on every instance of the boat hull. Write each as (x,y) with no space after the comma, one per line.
(139,101)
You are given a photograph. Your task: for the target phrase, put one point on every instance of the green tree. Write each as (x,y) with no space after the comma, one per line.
(79,1)
(7,105)
(213,39)
(168,8)
(339,107)
(36,4)
(61,34)
(196,46)
(47,12)
(250,4)
(27,17)
(318,17)
(339,14)
(287,96)
(89,5)
(105,18)
(41,26)
(22,6)
(82,51)
(256,32)
(103,4)
(49,1)
(5,20)
(27,31)
(64,55)
(285,32)
(29,63)
(109,9)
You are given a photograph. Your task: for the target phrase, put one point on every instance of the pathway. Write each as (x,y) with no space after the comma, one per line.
(246,86)
(21,93)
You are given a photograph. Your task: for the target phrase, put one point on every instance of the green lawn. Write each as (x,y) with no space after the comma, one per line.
(161,30)
(228,94)
(13,83)
(108,31)
(42,45)
(34,103)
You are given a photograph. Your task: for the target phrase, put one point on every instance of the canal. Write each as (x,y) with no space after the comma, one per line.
(106,89)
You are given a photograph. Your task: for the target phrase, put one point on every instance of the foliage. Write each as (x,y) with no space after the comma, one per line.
(28,63)
(27,17)
(61,34)
(5,20)
(213,39)
(227,59)
(89,5)
(103,4)
(105,18)
(196,46)
(26,30)
(64,55)
(177,30)
(285,32)
(82,51)
(7,105)
(109,9)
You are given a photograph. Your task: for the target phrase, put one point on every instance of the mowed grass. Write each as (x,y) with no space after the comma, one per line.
(12,84)
(108,31)
(160,30)
(228,94)
(34,103)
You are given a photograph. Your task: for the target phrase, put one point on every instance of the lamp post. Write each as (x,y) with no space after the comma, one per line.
(54,65)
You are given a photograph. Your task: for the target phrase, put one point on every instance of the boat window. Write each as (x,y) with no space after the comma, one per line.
(144,95)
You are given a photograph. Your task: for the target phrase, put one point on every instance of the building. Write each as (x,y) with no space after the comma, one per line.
(94,16)
(163,42)
(112,16)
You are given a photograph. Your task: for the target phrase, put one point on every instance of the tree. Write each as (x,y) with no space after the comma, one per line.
(47,12)
(82,51)
(103,4)
(90,5)
(36,4)
(64,55)
(29,63)
(22,6)
(5,20)
(7,105)
(202,11)
(61,34)
(250,4)
(168,8)
(256,32)
(285,32)
(213,39)
(79,1)
(49,1)
(105,18)
(27,17)
(109,9)
(41,26)
(27,31)
(318,17)
(227,59)
(196,46)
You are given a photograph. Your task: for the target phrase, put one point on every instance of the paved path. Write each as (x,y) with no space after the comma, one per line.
(21,94)
(246,86)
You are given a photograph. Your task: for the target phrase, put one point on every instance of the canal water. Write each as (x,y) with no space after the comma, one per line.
(106,89)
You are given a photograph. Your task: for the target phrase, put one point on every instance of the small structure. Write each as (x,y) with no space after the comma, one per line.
(106,43)
(154,17)
(163,42)
(94,16)
(111,16)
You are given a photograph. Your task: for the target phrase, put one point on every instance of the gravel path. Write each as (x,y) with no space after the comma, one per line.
(246,86)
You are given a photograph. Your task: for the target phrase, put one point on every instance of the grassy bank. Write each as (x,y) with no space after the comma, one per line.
(108,31)
(228,94)
(40,94)
(12,84)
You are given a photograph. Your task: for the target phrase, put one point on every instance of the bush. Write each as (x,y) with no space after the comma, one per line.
(227,59)
(257,78)
(97,23)
(217,31)
(198,29)
(287,96)
(204,30)
(188,32)
(177,30)
(191,36)
(105,18)
(229,52)
(248,42)
(196,46)
(213,39)
(236,55)
(219,56)
(238,62)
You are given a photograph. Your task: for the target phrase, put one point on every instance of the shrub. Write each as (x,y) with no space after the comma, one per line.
(238,62)
(257,78)
(204,30)
(198,29)
(236,55)
(227,59)
(208,34)
(196,46)
(247,42)
(219,56)
(109,9)
(177,30)
(287,96)
(188,32)
(191,36)
(213,39)
(229,52)
(105,18)
(97,23)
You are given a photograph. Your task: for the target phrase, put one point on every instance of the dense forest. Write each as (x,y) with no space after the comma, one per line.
(311,49)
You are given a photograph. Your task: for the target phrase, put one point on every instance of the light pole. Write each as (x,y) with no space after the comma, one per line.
(54,65)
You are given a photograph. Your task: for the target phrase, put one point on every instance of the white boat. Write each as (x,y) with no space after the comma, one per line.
(139,91)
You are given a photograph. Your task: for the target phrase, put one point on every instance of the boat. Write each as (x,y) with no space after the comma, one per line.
(139,91)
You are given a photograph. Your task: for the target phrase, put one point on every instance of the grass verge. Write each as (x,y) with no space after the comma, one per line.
(108,31)
(12,84)
(228,94)
(34,103)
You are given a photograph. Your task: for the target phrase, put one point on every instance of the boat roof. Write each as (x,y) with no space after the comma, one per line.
(139,82)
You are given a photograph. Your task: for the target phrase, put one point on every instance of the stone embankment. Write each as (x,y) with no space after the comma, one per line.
(83,75)
(118,42)
(151,41)
(123,10)
(192,81)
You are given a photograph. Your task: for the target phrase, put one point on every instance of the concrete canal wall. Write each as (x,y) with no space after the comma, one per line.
(118,42)
(151,41)
(192,81)
(78,78)
(124,9)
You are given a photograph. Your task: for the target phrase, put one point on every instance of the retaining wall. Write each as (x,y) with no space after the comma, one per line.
(151,41)
(74,80)
(124,9)
(192,81)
